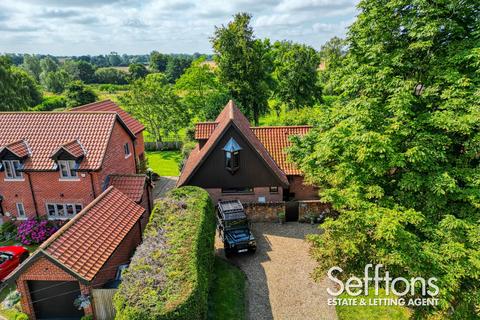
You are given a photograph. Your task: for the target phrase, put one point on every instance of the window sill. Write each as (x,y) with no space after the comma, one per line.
(126,157)
(21,218)
(58,218)
(69,179)
(237,193)
(14,180)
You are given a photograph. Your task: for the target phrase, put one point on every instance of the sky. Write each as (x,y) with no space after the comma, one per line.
(78,27)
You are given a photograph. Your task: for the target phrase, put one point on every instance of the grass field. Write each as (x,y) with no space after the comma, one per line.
(165,163)
(227,294)
(372,312)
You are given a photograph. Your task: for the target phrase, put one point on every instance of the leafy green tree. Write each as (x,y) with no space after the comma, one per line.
(201,91)
(244,65)
(153,101)
(110,75)
(114,59)
(296,75)
(77,94)
(48,64)
(137,71)
(31,64)
(18,90)
(176,65)
(55,81)
(158,61)
(332,54)
(398,154)
(80,70)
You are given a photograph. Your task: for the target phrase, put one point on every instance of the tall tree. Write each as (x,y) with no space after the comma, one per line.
(18,90)
(80,70)
(398,155)
(77,94)
(176,65)
(153,101)
(296,74)
(244,65)
(158,61)
(31,64)
(137,71)
(201,91)
(55,81)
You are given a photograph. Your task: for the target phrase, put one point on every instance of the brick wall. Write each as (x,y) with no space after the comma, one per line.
(43,270)
(262,212)
(140,146)
(217,195)
(301,190)
(313,207)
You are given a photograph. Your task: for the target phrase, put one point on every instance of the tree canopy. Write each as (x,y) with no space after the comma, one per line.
(77,94)
(398,154)
(244,65)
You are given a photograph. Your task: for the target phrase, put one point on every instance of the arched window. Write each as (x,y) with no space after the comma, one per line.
(232,155)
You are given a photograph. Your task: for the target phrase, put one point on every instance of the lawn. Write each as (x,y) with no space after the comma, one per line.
(372,312)
(165,163)
(227,293)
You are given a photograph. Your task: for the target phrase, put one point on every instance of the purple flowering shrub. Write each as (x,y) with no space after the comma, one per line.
(35,231)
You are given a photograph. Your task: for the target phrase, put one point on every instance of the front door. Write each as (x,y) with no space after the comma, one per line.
(54,299)
(291,210)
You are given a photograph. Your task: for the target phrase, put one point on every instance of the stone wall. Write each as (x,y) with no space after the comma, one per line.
(261,212)
(314,207)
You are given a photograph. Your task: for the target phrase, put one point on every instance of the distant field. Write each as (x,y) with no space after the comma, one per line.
(165,163)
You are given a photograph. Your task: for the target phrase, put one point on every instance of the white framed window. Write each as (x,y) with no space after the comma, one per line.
(12,169)
(21,211)
(63,210)
(67,169)
(126,150)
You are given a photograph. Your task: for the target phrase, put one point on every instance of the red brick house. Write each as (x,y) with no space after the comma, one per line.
(87,253)
(55,163)
(135,126)
(236,161)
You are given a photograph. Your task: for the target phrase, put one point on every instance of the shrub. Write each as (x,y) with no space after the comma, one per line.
(35,231)
(50,103)
(8,231)
(21,316)
(169,275)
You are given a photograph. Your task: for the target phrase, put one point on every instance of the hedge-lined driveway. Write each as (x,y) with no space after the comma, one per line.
(278,275)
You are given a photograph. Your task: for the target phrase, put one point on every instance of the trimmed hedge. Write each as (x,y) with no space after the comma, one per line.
(169,275)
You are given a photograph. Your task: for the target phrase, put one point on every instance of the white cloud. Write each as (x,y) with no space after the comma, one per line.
(77,27)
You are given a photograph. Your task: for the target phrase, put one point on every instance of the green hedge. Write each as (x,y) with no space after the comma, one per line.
(169,275)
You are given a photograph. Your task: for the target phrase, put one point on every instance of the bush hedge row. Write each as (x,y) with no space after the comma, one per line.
(169,275)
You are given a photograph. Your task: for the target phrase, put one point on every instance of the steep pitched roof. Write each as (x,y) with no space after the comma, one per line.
(230,115)
(86,242)
(73,147)
(19,148)
(276,140)
(132,185)
(47,131)
(107,105)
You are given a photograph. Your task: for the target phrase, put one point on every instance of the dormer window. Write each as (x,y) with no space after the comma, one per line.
(232,155)
(13,169)
(68,169)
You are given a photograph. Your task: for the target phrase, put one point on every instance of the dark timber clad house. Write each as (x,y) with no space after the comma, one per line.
(235,161)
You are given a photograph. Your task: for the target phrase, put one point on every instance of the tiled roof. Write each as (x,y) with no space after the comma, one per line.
(132,185)
(203,130)
(229,115)
(107,105)
(86,242)
(19,148)
(74,147)
(47,131)
(275,140)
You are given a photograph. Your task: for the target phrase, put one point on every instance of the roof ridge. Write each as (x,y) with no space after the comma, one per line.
(127,175)
(93,103)
(283,127)
(77,217)
(56,112)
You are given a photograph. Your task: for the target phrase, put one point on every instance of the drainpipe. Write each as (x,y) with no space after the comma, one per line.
(33,193)
(137,165)
(93,186)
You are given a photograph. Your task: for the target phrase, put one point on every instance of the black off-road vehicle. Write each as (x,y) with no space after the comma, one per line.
(233,228)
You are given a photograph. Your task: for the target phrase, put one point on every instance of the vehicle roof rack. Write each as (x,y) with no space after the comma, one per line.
(231,210)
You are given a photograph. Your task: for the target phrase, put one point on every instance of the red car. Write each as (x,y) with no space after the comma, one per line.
(10,258)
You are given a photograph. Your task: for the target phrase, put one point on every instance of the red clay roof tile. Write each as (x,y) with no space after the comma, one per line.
(203,130)
(19,148)
(86,242)
(107,105)
(132,185)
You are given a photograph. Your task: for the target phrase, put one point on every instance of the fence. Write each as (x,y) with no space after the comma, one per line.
(164,145)
(103,303)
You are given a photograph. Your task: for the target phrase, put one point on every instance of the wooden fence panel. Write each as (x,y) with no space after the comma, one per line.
(103,303)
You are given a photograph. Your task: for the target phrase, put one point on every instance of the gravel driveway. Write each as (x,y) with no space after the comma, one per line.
(279,282)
